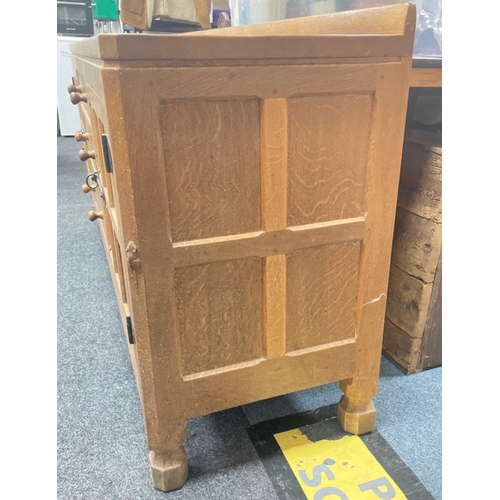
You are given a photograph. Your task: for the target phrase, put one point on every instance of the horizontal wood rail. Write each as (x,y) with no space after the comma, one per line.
(263,244)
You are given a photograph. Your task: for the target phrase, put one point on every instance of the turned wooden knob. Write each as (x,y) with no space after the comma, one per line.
(76,97)
(81,136)
(94,215)
(85,155)
(74,88)
(86,189)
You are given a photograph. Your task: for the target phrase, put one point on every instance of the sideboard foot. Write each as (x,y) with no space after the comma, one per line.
(168,473)
(356,418)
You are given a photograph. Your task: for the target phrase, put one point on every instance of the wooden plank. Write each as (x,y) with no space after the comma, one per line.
(420,186)
(267,379)
(274,149)
(274,144)
(401,349)
(432,348)
(262,244)
(264,82)
(426,77)
(417,245)
(126,47)
(274,312)
(408,300)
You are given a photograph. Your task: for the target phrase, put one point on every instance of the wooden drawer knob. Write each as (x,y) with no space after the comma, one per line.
(74,88)
(81,137)
(86,189)
(85,155)
(94,215)
(76,97)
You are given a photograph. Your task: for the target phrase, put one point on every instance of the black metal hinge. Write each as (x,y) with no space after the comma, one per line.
(130,331)
(106,151)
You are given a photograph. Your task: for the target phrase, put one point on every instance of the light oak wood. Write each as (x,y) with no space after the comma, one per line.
(274,173)
(85,155)
(426,77)
(93,215)
(248,220)
(81,137)
(73,88)
(76,97)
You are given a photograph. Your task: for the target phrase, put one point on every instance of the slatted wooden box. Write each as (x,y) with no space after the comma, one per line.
(249,180)
(413,327)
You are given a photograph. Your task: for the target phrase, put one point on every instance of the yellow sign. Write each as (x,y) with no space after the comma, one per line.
(342,469)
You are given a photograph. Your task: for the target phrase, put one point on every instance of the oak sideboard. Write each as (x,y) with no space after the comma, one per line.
(245,181)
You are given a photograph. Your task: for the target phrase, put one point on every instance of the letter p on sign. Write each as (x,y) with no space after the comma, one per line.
(381,487)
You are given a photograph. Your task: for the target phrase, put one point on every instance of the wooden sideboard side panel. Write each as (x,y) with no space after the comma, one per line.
(212,165)
(328,149)
(219,306)
(383,168)
(322,286)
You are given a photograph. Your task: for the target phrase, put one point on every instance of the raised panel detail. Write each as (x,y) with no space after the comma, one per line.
(219,310)
(322,286)
(328,148)
(212,161)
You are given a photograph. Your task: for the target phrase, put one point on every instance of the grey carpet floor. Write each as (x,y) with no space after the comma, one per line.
(102,451)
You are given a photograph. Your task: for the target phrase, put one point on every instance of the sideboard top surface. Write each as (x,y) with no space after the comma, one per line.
(340,35)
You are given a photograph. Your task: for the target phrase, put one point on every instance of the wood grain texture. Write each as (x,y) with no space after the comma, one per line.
(432,347)
(383,20)
(219,307)
(393,27)
(274,144)
(265,244)
(268,378)
(420,186)
(321,298)
(408,300)
(274,312)
(262,81)
(417,245)
(382,176)
(152,47)
(404,351)
(274,148)
(426,77)
(212,164)
(327,157)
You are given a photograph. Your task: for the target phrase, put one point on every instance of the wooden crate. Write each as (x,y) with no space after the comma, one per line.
(413,327)
(249,211)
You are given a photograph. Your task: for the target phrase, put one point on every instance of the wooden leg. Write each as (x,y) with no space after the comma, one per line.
(356,412)
(168,459)
(169,470)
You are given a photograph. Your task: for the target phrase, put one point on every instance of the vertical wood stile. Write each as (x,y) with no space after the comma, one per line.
(274,148)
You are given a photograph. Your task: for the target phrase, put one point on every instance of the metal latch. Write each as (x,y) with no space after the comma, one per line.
(94,182)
